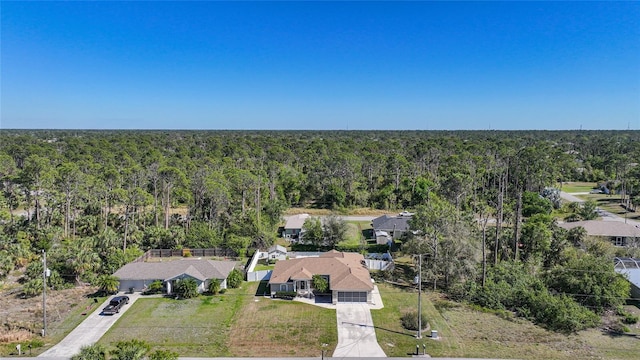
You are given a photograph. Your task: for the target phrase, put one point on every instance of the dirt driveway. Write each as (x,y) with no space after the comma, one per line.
(88,332)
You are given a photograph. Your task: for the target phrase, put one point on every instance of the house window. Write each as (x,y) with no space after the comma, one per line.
(619,241)
(283,287)
(273,256)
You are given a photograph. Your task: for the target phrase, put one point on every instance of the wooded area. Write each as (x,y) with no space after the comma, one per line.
(97,199)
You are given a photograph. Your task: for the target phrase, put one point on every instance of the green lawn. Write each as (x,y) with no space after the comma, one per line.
(241,324)
(237,323)
(578,187)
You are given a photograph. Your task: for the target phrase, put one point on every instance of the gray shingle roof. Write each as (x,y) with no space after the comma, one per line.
(296,221)
(604,228)
(196,268)
(390,223)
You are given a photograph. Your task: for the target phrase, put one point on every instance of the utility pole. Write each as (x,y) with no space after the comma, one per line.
(44,293)
(419,336)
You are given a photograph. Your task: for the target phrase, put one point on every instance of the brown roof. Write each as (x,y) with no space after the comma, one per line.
(605,228)
(196,268)
(346,271)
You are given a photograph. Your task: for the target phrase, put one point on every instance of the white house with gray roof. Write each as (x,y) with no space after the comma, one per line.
(139,275)
(618,233)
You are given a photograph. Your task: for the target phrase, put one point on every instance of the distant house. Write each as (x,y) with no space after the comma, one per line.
(395,226)
(277,252)
(293,226)
(139,275)
(348,277)
(631,269)
(618,233)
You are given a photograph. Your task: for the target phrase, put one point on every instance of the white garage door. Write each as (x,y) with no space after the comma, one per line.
(352,296)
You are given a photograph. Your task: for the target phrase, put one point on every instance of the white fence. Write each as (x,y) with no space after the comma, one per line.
(259,275)
(378,264)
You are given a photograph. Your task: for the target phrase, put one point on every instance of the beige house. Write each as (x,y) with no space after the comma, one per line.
(348,277)
(617,232)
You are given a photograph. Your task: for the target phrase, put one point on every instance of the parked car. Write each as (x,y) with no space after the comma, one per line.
(115,305)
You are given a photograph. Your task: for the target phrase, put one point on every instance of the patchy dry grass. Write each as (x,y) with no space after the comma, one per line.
(467,332)
(192,327)
(21,319)
(280,328)
(237,323)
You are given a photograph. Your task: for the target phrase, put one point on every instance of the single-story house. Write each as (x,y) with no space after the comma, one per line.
(277,252)
(348,277)
(617,232)
(393,225)
(139,275)
(293,226)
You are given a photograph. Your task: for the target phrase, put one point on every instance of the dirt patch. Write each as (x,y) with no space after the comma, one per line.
(21,318)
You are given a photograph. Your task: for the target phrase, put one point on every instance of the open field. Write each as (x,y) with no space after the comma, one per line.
(23,321)
(611,203)
(467,332)
(326,212)
(578,187)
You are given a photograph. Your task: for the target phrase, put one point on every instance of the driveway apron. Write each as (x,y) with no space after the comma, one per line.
(356,334)
(88,332)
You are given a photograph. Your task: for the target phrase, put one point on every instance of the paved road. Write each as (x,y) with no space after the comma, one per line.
(88,332)
(345,218)
(605,215)
(356,334)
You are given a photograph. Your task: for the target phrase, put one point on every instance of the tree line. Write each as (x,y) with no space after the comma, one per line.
(97,199)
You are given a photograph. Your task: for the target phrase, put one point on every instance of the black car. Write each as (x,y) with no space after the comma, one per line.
(115,305)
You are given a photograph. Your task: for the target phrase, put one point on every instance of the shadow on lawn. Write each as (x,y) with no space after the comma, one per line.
(617,334)
(381,328)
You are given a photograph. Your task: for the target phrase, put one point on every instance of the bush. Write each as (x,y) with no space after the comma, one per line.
(154,288)
(222,291)
(234,280)
(630,319)
(287,295)
(410,320)
(214,286)
(187,288)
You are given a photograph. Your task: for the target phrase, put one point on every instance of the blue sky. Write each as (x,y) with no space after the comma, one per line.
(320,65)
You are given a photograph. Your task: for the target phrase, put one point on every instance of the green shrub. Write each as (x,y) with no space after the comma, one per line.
(288,295)
(410,320)
(214,286)
(234,280)
(222,291)
(187,288)
(154,288)
(630,319)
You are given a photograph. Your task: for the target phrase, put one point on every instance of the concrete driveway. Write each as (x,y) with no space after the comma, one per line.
(88,332)
(356,334)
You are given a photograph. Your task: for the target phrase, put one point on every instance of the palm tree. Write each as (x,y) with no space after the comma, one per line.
(91,352)
(108,284)
(130,350)
(214,286)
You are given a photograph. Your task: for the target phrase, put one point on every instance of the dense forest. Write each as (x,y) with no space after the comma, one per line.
(97,199)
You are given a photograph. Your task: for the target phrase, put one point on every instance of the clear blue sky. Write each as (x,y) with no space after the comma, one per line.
(320,65)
